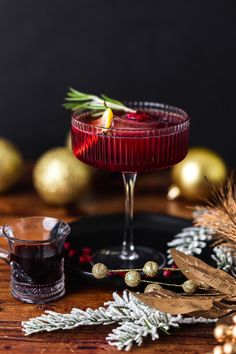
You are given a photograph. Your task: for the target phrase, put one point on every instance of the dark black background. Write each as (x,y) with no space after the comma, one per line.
(177,52)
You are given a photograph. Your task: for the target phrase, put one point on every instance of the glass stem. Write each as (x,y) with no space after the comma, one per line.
(128,252)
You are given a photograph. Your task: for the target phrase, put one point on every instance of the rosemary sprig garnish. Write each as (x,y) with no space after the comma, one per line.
(76,100)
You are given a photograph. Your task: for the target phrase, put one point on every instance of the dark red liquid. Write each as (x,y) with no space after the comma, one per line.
(36,263)
(131,146)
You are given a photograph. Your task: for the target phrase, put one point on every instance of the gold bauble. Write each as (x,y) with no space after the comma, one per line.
(189,286)
(132,278)
(229,348)
(218,350)
(150,268)
(221,332)
(11,165)
(59,177)
(189,176)
(99,270)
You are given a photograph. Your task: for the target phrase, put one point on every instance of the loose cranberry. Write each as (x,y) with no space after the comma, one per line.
(82,259)
(167,273)
(72,252)
(174,266)
(141,116)
(87,258)
(67,246)
(86,250)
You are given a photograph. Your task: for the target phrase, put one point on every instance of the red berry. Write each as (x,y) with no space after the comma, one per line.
(86,250)
(174,266)
(72,252)
(141,116)
(67,246)
(82,259)
(87,258)
(167,273)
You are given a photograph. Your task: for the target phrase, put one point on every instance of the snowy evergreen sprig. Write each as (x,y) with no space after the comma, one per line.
(223,258)
(136,321)
(191,240)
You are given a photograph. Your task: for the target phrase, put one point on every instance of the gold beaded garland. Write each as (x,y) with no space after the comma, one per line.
(150,268)
(218,350)
(99,270)
(221,332)
(204,286)
(229,348)
(152,287)
(189,286)
(132,278)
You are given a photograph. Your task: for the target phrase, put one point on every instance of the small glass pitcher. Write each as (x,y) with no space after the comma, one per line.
(36,258)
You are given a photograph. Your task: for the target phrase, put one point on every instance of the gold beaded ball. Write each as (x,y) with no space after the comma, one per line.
(152,287)
(99,270)
(229,348)
(234,319)
(150,268)
(204,286)
(220,332)
(218,350)
(233,331)
(189,286)
(132,278)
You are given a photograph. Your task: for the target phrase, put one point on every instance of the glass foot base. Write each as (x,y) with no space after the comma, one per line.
(112,258)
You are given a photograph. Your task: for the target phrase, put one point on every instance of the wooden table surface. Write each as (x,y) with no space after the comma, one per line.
(97,200)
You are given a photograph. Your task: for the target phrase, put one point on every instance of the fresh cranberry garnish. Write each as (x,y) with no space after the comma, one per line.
(67,246)
(86,250)
(72,252)
(140,116)
(167,273)
(82,259)
(174,266)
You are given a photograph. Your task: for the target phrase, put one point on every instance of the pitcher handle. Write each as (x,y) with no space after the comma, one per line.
(4,255)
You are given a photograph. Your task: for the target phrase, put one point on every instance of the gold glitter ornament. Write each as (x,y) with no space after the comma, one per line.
(189,286)
(221,332)
(204,286)
(59,177)
(188,176)
(99,270)
(11,165)
(229,348)
(218,350)
(152,287)
(132,278)
(150,268)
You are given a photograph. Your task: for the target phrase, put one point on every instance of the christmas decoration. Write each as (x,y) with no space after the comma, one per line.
(189,176)
(59,178)
(135,321)
(11,165)
(191,240)
(226,335)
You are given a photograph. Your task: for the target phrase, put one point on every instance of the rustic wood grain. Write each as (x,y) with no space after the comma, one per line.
(99,199)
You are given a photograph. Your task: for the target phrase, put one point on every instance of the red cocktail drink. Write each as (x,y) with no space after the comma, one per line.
(153,138)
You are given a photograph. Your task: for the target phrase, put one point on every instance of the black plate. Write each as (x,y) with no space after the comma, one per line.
(153,230)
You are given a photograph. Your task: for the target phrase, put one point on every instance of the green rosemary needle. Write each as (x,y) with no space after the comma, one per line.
(79,101)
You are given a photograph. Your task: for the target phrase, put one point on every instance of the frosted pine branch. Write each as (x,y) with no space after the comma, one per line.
(223,258)
(190,240)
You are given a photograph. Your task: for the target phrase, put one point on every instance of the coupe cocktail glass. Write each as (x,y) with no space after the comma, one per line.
(131,146)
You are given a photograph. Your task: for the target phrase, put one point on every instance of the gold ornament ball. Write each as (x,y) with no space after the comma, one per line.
(152,287)
(189,286)
(229,348)
(234,319)
(11,165)
(150,268)
(233,331)
(99,270)
(221,332)
(132,278)
(188,176)
(218,350)
(59,177)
